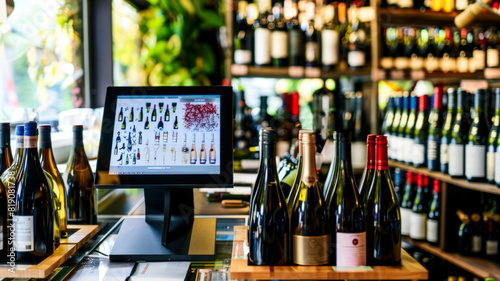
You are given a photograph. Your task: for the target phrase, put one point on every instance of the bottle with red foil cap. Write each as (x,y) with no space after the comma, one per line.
(418,217)
(369,172)
(435,127)
(434,216)
(383,237)
(420,140)
(407,203)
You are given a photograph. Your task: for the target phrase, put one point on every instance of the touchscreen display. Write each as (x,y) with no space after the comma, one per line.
(160,135)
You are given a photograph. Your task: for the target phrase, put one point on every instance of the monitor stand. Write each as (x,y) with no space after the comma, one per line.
(169,233)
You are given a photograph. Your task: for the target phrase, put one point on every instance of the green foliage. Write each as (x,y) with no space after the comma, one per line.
(172,53)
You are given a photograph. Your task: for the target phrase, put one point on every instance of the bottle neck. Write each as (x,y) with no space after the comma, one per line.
(381,161)
(30,150)
(269,153)
(19,149)
(370,157)
(4,138)
(309,176)
(345,156)
(78,139)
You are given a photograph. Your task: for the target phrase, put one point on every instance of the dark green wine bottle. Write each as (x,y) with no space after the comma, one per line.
(5,151)
(369,172)
(493,142)
(418,217)
(447,130)
(410,129)
(402,127)
(268,229)
(435,127)
(333,171)
(434,216)
(421,131)
(389,116)
(460,130)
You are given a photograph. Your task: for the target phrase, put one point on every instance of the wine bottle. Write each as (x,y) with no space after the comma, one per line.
(492,50)
(140,137)
(146,124)
(120,115)
(434,216)
(212,155)
(410,129)
(476,248)
(185,151)
(479,51)
(491,164)
(464,234)
(203,152)
(9,176)
(356,56)
(369,172)
(140,116)
(458,139)
(269,227)
(401,61)
(296,50)
(333,171)
(420,140)
(279,37)
(429,50)
(402,150)
(243,37)
(138,153)
(176,124)
(382,207)
(447,61)
(347,221)
(160,124)
(167,114)
(311,37)
(463,53)
(434,135)
(131,116)
(5,151)
(394,137)
(418,217)
(475,150)
(330,39)
(124,123)
(79,180)
(389,116)
(294,190)
(447,130)
(492,238)
(49,165)
(407,204)
(413,51)
(34,212)
(262,47)
(309,222)
(193,157)
(153,115)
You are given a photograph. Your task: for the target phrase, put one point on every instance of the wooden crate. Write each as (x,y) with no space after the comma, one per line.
(410,269)
(78,236)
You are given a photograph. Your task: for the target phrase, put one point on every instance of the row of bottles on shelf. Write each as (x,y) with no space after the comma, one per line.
(36,202)
(154,115)
(433,5)
(461,141)
(300,34)
(349,226)
(479,234)
(440,49)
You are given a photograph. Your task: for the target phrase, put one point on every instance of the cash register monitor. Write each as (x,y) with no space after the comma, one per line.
(167,140)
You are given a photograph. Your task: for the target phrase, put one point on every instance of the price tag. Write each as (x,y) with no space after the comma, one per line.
(313,72)
(296,71)
(239,69)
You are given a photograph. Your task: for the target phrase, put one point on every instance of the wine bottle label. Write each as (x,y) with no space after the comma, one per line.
(460,5)
(475,161)
(312,51)
(351,249)
(405,4)
(479,59)
(262,48)
(416,62)
(431,63)
(490,165)
(418,153)
(456,160)
(476,244)
(447,64)
(356,58)
(212,160)
(497,167)
(279,44)
(24,237)
(432,148)
(462,64)
(403,149)
(432,231)
(492,59)
(491,247)
(418,223)
(394,147)
(443,153)
(296,43)
(358,155)
(408,147)
(30,142)
(19,141)
(329,47)
(386,62)
(405,221)
(310,250)
(240,57)
(401,63)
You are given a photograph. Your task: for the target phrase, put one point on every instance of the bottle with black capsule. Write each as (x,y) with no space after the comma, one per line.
(5,151)
(491,164)
(447,130)
(268,229)
(34,211)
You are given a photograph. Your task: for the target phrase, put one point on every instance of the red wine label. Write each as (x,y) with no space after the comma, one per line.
(351,249)
(30,142)
(311,250)
(432,231)
(24,235)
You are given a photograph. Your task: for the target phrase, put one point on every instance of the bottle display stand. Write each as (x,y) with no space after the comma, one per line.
(78,236)
(410,269)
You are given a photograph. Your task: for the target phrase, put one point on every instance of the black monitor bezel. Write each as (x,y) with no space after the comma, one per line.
(224,179)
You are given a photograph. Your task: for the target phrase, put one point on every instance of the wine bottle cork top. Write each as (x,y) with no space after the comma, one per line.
(475,217)
(370,140)
(308,137)
(77,127)
(20,130)
(381,141)
(30,128)
(5,125)
(301,132)
(268,136)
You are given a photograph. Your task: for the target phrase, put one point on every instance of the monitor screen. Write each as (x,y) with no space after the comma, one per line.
(158,135)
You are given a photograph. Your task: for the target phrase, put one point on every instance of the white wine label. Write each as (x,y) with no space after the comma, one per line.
(395,147)
(351,249)
(241,57)
(356,58)
(472,65)
(476,244)
(432,149)
(19,141)
(279,44)
(443,153)
(456,160)
(491,247)
(416,63)
(418,223)
(262,47)
(462,64)
(408,147)
(401,63)
(24,233)
(329,47)
(358,154)
(30,141)
(405,3)
(490,165)
(492,59)
(460,5)
(405,221)
(296,42)
(386,62)
(431,64)
(402,149)
(432,231)
(447,64)
(311,250)
(312,51)
(479,58)
(475,161)
(497,167)
(418,153)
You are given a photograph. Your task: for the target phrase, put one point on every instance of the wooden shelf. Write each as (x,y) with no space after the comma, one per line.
(295,72)
(393,74)
(417,17)
(410,269)
(482,187)
(482,268)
